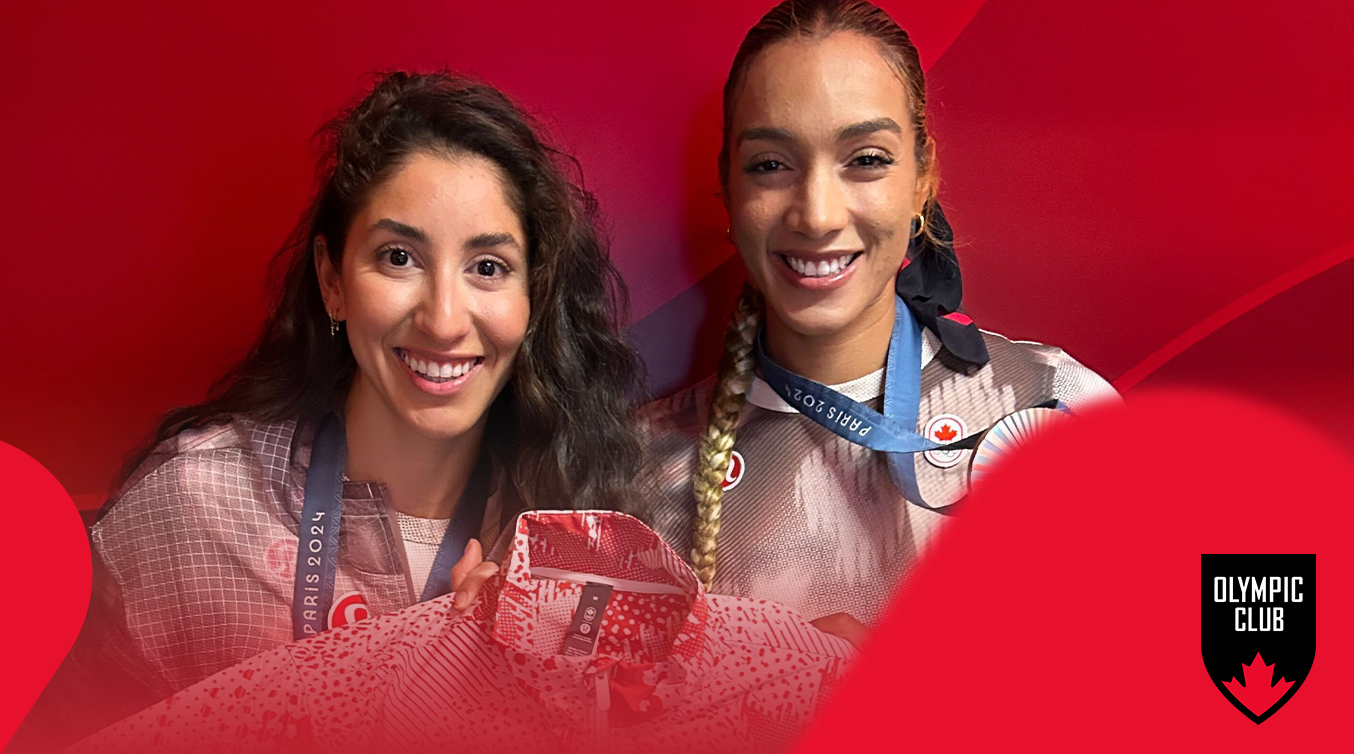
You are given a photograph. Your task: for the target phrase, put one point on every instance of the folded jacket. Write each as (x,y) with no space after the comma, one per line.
(667,667)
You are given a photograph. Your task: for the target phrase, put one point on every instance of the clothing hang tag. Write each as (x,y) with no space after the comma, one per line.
(582,638)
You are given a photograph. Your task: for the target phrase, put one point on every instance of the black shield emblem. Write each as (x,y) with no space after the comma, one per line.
(1258,626)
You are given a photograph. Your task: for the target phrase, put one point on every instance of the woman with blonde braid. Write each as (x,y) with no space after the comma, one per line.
(829,177)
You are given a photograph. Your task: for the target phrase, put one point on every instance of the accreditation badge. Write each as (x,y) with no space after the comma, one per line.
(1258,628)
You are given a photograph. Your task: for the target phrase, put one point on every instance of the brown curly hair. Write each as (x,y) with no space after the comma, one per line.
(562,426)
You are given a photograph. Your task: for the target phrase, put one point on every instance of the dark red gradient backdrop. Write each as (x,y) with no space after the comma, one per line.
(1119,176)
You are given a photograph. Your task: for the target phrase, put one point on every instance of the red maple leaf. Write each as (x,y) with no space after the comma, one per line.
(946,433)
(1258,694)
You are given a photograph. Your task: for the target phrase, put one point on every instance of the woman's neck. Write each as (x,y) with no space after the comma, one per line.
(424,477)
(831,359)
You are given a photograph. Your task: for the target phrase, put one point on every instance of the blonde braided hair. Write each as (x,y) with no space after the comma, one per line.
(716,447)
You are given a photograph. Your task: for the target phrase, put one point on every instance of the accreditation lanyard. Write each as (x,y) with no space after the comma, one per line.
(317,552)
(890,432)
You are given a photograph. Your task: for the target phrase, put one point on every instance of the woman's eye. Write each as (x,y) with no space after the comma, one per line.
(765,166)
(872,161)
(488,268)
(399,257)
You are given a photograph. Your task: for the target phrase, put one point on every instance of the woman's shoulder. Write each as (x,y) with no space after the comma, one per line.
(1074,384)
(236,460)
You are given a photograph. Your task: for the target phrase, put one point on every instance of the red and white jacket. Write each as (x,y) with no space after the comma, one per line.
(673,668)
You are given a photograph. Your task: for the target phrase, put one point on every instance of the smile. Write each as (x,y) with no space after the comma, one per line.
(818,272)
(434,372)
(819,267)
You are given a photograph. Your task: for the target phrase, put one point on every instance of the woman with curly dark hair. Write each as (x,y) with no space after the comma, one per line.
(442,354)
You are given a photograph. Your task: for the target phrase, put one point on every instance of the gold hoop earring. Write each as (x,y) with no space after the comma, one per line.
(921,225)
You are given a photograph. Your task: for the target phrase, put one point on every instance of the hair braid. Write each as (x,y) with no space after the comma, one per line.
(716,447)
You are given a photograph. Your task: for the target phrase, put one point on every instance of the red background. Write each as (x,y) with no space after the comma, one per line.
(1118,175)
(1165,191)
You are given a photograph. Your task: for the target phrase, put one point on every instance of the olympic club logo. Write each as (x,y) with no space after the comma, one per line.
(1258,628)
(350,608)
(735,473)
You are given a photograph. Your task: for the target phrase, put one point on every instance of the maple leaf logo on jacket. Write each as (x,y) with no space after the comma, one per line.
(1258,693)
(946,433)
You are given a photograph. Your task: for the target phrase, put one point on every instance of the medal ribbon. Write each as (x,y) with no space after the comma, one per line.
(317,551)
(890,432)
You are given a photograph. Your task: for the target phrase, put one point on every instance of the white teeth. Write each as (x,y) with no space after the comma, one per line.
(435,371)
(824,268)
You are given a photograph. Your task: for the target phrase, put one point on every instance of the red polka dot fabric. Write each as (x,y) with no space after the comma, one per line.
(673,668)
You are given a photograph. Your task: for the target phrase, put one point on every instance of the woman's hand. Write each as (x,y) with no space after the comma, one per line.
(841,625)
(469,574)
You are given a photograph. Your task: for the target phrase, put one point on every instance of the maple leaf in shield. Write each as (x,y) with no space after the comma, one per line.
(1260,691)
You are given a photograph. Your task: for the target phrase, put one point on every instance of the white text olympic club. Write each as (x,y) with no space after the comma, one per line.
(1257,590)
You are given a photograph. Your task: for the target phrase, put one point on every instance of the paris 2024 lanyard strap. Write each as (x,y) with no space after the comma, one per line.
(891,432)
(317,552)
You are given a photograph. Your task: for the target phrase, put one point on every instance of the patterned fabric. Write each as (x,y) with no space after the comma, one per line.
(673,668)
(194,570)
(815,521)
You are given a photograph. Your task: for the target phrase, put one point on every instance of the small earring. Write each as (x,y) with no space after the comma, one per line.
(921,225)
(333,326)
(728,234)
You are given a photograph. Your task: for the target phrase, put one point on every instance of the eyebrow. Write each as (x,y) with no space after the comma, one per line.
(868,127)
(399,228)
(852,131)
(765,134)
(490,240)
(481,241)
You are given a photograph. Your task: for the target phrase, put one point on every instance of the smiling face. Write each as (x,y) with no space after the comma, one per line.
(432,290)
(823,182)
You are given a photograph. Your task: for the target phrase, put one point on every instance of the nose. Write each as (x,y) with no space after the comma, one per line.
(819,208)
(444,311)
